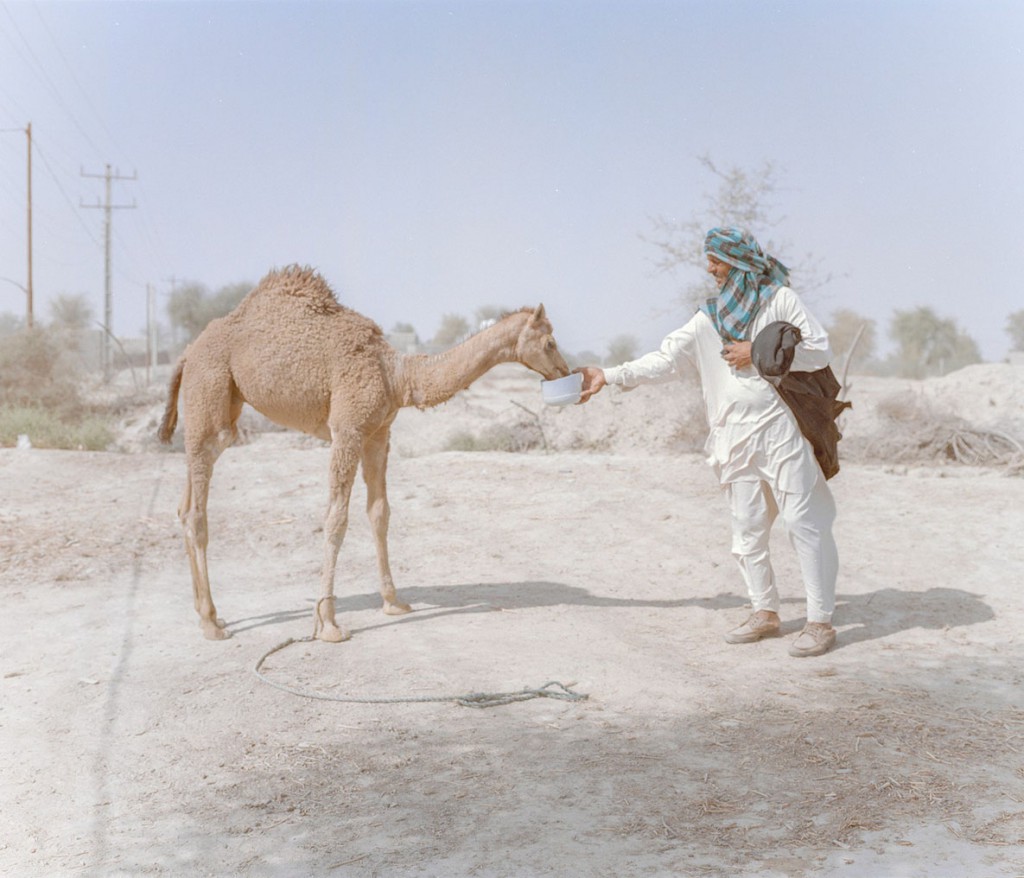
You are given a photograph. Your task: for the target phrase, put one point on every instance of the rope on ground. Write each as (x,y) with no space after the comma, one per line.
(552,689)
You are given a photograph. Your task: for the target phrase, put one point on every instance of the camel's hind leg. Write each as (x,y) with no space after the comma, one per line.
(208,433)
(375,462)
(197,537)
(344,462)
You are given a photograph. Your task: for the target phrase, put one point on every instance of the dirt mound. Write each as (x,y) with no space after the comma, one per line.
(972,416)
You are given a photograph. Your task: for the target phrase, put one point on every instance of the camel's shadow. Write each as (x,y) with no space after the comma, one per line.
(859,617)
(429,602)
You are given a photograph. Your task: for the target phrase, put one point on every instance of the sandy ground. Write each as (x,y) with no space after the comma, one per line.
(132,746)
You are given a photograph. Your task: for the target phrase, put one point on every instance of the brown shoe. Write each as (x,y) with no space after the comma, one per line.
(817,638)
(763,623)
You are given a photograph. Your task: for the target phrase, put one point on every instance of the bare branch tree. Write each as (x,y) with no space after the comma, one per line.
(741,198)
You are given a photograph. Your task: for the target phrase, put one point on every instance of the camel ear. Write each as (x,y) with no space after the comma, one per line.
(539,313)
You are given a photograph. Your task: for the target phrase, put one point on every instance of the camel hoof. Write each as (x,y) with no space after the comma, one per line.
(396,608)
(333,634)
(215,632)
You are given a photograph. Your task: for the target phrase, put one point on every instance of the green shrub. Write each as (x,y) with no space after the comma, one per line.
(47,429)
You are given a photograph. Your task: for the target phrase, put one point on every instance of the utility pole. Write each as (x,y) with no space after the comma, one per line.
(152,342)
(28,291)
(108,305)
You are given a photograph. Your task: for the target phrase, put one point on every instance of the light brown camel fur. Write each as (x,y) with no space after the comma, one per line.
(293,353)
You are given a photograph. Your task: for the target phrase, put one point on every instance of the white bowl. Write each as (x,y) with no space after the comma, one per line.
(562,391)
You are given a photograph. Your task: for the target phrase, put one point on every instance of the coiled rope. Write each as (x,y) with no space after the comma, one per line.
(552,689)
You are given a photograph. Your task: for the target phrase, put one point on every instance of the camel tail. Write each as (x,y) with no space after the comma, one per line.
(170,420)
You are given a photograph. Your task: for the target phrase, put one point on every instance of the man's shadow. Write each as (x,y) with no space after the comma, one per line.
(872,615)
(891,611)
(878,614)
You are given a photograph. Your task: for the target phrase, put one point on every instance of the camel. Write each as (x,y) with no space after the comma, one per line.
(295,354)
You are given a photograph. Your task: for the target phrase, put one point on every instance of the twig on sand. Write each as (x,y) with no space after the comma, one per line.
(348,862)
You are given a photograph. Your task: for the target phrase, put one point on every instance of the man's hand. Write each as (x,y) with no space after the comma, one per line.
(737,354)
(593,381)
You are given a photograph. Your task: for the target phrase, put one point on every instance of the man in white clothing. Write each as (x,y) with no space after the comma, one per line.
(765,465)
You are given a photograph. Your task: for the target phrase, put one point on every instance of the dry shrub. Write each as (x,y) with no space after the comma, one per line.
(40,398)
(690,431)
(519,436)
(912,431)
(32,373)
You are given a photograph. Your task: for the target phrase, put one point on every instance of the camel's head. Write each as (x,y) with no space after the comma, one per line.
(536,347)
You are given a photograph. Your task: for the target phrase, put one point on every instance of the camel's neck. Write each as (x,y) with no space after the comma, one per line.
(426,381)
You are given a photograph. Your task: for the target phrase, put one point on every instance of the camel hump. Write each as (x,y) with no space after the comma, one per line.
(301,285)
(295,305)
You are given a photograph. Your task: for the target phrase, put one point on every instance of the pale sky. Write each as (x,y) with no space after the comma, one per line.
(434,157)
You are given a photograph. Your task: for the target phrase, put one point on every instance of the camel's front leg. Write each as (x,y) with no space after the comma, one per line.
(344,460)
(375,463)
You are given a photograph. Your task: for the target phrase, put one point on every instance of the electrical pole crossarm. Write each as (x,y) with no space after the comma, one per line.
(109,175)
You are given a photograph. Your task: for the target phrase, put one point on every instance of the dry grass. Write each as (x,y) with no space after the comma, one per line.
(820,779)
(805,777)
(517,437)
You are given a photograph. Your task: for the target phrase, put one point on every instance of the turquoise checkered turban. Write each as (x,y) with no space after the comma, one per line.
(753,281)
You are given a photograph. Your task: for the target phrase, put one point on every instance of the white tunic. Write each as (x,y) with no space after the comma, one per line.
(753,434)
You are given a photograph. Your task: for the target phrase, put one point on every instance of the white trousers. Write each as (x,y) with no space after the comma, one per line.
(808,520)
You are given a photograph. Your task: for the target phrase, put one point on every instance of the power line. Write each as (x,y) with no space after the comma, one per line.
(28,289)
(70,69)
(30,47)
(40,68)
(74,208)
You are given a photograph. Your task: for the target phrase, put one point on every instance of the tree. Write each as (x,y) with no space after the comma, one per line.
(621,349)
(743,199)
(71,311)
(192,306)
(227,298)
(185,309)
(930,345)
(10,324)
(583,358)
(403,338)
(452,328)
(1015,329)
(848,327)
(487,314)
